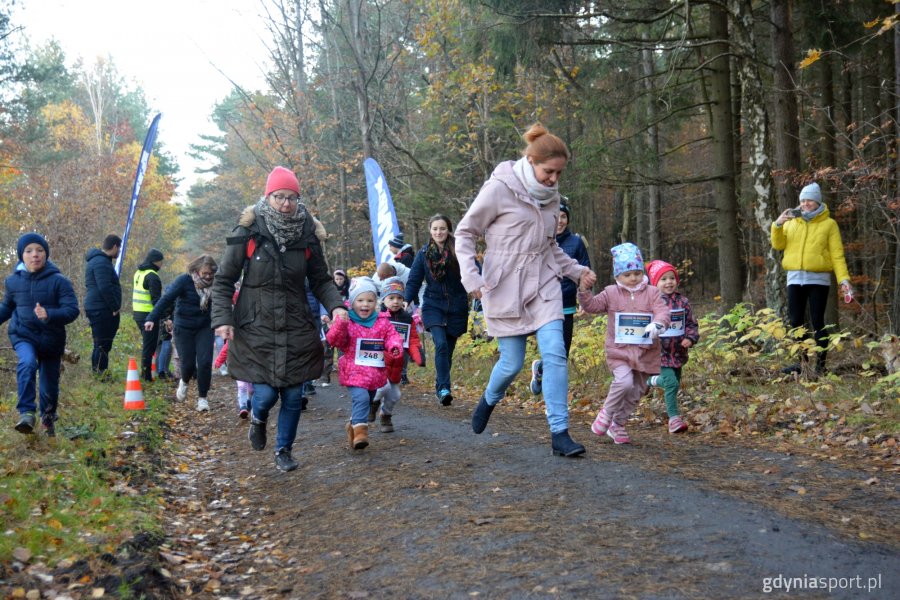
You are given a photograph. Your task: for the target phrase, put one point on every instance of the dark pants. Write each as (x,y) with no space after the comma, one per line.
(149,339)
(195,349)
(568,330)
(817,298)
(104,327)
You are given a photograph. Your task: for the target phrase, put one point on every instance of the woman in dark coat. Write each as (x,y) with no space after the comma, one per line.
(275,340)
(191,293)
(39,302)
(445,305)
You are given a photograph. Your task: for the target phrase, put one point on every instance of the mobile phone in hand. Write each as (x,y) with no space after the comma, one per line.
(795,212)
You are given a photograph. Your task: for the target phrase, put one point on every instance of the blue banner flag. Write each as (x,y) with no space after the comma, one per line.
(138,180)
(381,211)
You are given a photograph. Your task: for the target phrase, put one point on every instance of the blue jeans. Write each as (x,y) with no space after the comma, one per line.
(359,412)
(164,357)
(265,397)
(443,356)
(556,373)
(27,368)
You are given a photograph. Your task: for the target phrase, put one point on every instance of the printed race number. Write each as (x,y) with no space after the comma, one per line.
(630,328)
(676,325)
(369,353)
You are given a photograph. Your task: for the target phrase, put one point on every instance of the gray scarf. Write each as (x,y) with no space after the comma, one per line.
(537,190)
(284,228)
(809,216)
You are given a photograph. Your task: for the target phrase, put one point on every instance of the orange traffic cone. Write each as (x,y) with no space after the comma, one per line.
(134,396)
(153,372)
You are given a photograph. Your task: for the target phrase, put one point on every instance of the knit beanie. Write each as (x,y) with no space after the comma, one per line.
(563,207)
(811,192)
(397,242)
(392,285)
(282,179)
(154,256)
(657,268)
(359,285)
(626,257)
(31,238)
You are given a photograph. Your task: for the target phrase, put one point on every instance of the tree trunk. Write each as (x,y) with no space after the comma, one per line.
(787,141)
(765,211)
(331,56)
(359,45)
(730,269)
(653,163)
(895,301)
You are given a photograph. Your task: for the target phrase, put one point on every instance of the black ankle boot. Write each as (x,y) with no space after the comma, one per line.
(563,445)
(257,434)
(482,415)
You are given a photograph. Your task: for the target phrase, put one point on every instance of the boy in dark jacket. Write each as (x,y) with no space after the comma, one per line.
(682,333)
(39,302)
(102,300)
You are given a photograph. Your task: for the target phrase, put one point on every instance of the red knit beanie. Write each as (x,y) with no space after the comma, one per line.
(657,268)
(282,179)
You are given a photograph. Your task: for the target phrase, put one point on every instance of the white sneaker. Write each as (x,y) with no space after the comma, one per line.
(181,392)
(202,405)
(223,370)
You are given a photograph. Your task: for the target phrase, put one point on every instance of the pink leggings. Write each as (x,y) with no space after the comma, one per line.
(625,392)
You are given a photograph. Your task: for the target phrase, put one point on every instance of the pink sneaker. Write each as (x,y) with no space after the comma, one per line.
(677,425)
(601,423)
(618,434)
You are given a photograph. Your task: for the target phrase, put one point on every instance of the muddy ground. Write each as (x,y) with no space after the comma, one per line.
(434,511)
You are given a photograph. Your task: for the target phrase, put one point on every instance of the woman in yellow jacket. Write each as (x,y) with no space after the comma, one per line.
(812,250)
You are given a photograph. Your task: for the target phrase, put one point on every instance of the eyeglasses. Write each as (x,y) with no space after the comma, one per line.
(281,200)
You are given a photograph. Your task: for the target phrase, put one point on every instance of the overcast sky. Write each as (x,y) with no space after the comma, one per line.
(172,48)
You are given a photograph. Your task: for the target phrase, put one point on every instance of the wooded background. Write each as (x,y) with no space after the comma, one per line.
(692,126)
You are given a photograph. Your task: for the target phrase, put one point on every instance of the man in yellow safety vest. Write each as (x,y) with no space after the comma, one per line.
(144,295)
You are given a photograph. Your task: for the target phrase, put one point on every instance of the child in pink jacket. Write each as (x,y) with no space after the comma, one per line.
(637,315)
(369,342)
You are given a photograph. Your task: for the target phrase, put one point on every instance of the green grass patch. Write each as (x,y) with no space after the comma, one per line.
(92,487)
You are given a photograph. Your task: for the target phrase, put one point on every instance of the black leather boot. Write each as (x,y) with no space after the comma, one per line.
(563,445)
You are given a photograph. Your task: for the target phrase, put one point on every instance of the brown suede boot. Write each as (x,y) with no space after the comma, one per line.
(360,436)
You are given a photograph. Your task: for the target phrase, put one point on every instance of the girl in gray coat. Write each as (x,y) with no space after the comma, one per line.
(516,212)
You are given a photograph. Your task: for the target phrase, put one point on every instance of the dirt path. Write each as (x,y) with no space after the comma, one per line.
(434,511)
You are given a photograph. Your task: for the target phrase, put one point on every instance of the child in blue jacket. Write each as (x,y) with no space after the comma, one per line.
(39,302)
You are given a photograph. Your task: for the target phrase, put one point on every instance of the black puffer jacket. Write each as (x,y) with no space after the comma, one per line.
(104,293)
(276,338)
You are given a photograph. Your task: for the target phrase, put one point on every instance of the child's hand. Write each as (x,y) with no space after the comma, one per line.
(652,331)
(340,314)
(587,281)
(40,312)
(686,343)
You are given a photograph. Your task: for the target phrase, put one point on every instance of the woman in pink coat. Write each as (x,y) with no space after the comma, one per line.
(516,212)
